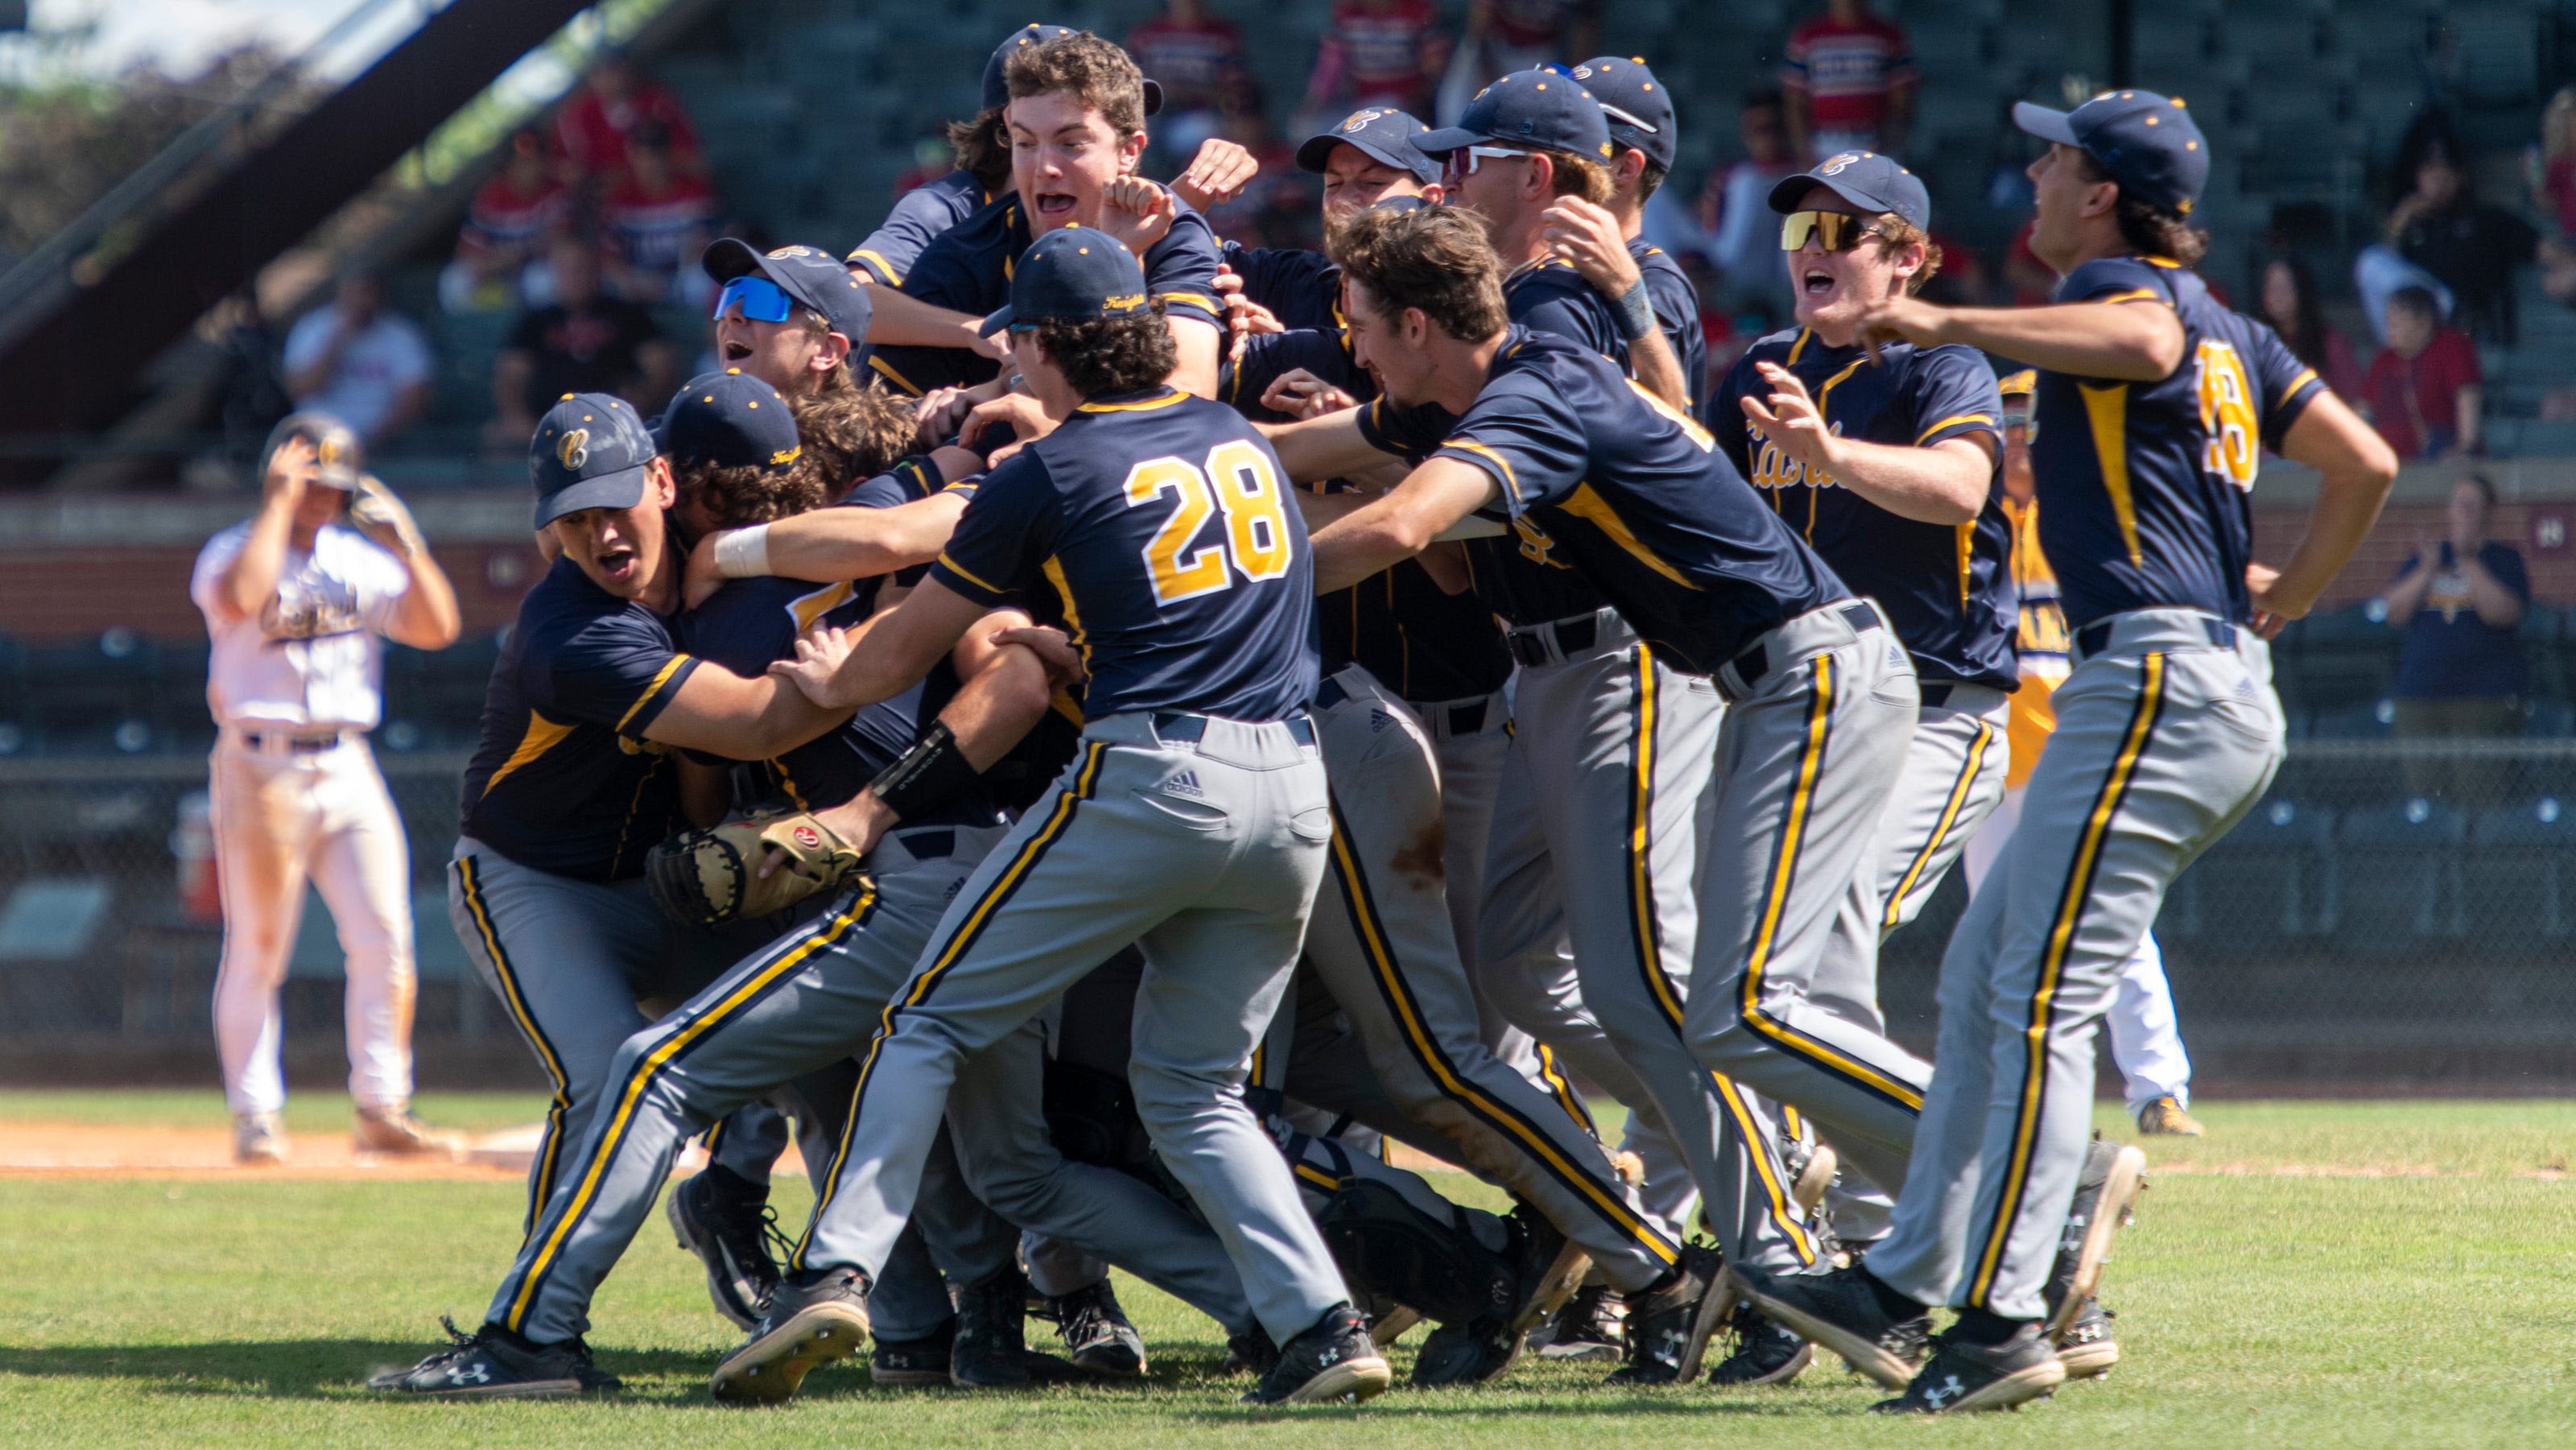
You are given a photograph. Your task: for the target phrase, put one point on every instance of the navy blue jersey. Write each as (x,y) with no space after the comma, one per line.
(919,216)
(1421,641)
(2142,486)
(564,780)
(1946,588)
(968,269)
(1677,313)
(1632,492)
(1160,521)
(1301,288)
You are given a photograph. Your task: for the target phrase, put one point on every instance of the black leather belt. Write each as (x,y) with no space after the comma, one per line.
(928,842)
(1755,661)
(1189,729)
(1330,693)
(1573,636)
(1464,719)
(294,744)
(2094,638)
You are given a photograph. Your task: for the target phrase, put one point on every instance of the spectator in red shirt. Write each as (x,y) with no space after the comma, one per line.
(654,224)
(1510,35)
(506,227)
(595,127)
(1198,61)
(1376,53)
(1849,78)
(2424,391)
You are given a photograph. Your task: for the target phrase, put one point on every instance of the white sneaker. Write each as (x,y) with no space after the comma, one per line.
(259,1140)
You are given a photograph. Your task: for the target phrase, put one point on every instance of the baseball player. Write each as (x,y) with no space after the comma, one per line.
(1077,124)
(790,318)
(2146,1037)
(1617,256)
(1636,496)
(1887,466)
(1369,157)
(297,601)
(1194,822)
(2154,404)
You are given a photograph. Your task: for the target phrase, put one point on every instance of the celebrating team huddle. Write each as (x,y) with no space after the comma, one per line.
(1092,729)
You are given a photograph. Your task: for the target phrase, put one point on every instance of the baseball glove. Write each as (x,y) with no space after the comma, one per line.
(711,877)
(374,510)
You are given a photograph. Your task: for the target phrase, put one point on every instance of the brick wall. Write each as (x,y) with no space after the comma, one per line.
(2544,532)
(72,593)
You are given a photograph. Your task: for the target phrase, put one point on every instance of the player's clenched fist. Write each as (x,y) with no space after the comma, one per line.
(1302,395)
(1136,211)
(1901,319)
(1218,173)
(815,671)
(1590,237)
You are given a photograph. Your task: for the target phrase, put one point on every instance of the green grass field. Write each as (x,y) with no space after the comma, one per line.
(2314,1274)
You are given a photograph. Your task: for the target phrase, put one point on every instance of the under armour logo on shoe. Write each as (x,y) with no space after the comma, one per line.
(1943,1393)
(470,1373)
(1185,783)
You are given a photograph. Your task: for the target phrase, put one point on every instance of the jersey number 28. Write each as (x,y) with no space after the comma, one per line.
(1239,482)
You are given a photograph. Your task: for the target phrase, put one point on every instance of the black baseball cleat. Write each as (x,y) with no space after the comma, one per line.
(1963,1376)
(1548,1265)
(914,1363)
(730,1233)
(1764,1354)
(2105,1193)
(1840,1310)
(1333,1361)
(1591,1326)
(492,1363)
(811,1321)
(1097,1335)
(1250,1353)
(2086,1347)
(1668,1327)
(1535,1274)
(992,1351)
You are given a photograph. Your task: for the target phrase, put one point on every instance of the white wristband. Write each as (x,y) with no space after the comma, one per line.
(743,553)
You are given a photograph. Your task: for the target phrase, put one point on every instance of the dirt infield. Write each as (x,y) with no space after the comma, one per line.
(37,1149)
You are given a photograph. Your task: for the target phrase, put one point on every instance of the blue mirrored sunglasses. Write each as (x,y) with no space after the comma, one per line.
(762,300)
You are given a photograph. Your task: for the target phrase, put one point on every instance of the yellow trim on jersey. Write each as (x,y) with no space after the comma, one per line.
(1793,833)
(1893,916)
(1966,538)
(876,262)
(543,735)
(1511,481)
(1836,381)
(1053,568)
(1797,347)
(1593,508)
(639,1079)
(2052,963)
(661,677)
(1953,421)
(2305,377)
(877,362)
(807,609)
(1147,405)
(516,1000)
(2107,407)
(1195,299)
(969,575)
(2134,294)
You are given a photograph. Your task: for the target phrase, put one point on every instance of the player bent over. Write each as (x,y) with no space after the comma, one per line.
(1193,822)
(2154,403)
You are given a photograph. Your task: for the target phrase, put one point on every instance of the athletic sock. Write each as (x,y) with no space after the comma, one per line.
(1978,1327)
(1890,1303)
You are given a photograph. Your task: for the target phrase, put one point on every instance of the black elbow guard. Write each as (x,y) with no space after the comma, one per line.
(930,772)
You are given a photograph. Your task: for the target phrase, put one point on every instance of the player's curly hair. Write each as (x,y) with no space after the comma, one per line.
(2149,229)
(1106,355)
(1436,258)
(983,148)
(1096,70)
(737,498)
(853,433)
(1895,233)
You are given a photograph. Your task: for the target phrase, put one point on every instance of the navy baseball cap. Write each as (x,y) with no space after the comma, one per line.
(997,86)
(811,277)
(1382,135)
(2147,142)
(730,419)
(1532,110)
(589,452)
(1635,104)
(1867,180)
(1075,275)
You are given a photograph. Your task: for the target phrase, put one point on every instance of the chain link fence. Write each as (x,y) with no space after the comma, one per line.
(2400,909)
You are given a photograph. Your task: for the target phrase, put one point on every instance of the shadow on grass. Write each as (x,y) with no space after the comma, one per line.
(284,1369)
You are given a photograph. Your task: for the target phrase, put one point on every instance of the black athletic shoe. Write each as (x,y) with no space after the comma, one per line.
(1765,1353)
(1668,1328)
(1841,1312)
(1333,1361)
(1547,1266)
(2105,1193)
(1963,1376)
(494,1364)
(730,1234)
(992,1333)
(1591,1326)
(1252,1353)
(914,1362)
(1536,1273)
(2086,1347)
(810,1322)
(1097,1335)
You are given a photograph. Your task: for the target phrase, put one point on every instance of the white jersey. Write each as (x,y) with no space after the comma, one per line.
(314,659)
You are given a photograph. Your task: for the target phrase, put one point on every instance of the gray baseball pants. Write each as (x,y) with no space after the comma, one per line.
(2167,733)
(1201,840)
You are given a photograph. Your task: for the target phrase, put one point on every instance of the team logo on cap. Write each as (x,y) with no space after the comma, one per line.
(1362,118)
(1127,302)
(573,449)
(1837,164)
(326,450)
(807,837)
(799,251)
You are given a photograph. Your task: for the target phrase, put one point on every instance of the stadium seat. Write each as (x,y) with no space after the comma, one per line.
(2400,869)
(94,696)
(2269,881)
(2517,871)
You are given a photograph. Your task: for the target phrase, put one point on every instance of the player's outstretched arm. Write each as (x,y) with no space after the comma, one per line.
(826,545)
(721,713)
(1945,483)
(1398,525)
(1329,446)
(2141,341)
(844,669)
(904,321)
(2356,468)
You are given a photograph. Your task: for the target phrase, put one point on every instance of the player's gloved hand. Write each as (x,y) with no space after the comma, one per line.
(375,512)
(1063,662)
(1217,174)
(748,866)
(1302,395)
(1136,211)
(1792,420)
(1588,236)
(1900,319)
(820,653)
